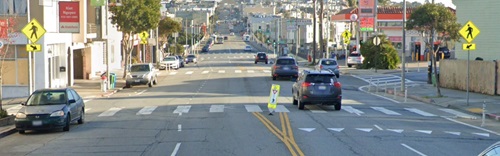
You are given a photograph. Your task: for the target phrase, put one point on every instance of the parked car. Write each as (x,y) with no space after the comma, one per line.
(317,87)
(170,61)
(191,58)
(284,66)
(50,109)
(205,48)
(226,38)
(141,74)
(354,59)
(443,51)
(328,64)
(181,61)
(261,57)
(248,48)
(493,150)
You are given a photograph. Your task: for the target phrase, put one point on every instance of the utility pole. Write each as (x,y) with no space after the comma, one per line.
(297,30)
(314,32)
(321,35)
(403,56)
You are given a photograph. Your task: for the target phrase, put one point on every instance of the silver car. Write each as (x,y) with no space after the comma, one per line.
(354,59)
(328,64)
(141,74)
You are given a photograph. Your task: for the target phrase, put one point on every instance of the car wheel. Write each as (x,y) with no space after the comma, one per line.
(255,62)
(266,62)
(338,106)
(155,82)
(127,85)
(21,131)
(295,102)
(300,104)
(68,121)
(274,77)
(349,65)
(150,84)
(337,76)
(82,118)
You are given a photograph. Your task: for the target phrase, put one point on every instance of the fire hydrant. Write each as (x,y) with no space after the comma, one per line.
(104,83)
(309,58)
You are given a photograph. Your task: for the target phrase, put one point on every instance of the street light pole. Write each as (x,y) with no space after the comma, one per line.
(403,57)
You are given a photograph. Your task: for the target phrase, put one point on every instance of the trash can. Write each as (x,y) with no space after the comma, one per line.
(112,80)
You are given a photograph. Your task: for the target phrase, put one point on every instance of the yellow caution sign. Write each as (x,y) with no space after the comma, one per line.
(33,47)
(469,32)
(144,35)
(347,37)
(273,97)
(144,41)
(33,30)
(469,46)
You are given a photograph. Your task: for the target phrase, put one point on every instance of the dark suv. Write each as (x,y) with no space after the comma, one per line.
(285,67)
(317,87)
(261,57)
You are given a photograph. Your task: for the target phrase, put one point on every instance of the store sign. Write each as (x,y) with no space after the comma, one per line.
(367,15)
(69,17)
(3,28)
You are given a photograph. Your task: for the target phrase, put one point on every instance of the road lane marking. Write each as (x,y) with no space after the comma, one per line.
(336,129)
(458,114)
(237,71)
(250,71)
(414,150)
(289,126)
(146,110)
(308,129)
(172,73)
(281,108)
(483,129)
(205,72)
(291,145)
(110,112)
(141,92)
(396,130)
(266,71)
(85,101)
(182,109)
(352,110)
(482,134)
(253,108)
(315,109)
(189,72)
(454,133)
(179,127)
(177,146)
(365,129)
(216,108)
(351,102)
(87,109)
(385,111)
(423,113)
(424,131)
(222,71)
(378,127)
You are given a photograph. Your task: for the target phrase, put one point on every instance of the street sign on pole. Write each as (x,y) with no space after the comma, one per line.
(33,31)
(469,46)
(469,32)
(144,37)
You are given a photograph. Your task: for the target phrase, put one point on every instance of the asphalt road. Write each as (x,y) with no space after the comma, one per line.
(219,107)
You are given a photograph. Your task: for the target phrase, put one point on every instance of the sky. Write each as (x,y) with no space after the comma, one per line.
(445,2)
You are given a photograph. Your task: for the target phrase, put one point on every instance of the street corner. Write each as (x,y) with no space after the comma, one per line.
(495,116)
(109,93)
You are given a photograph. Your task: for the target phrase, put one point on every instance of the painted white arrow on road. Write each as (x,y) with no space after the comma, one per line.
(307,129)
(396,130)
(424,131)
(482,134)
(336,129)
(454,133)
(365,129)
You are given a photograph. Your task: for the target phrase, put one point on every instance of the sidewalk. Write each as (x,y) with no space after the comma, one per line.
(427,93)
(87,89)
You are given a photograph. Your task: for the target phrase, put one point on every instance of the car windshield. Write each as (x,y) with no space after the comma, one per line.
(319,78)
(139,68)
(191,56)
(285,62)
(261,54)
(354,54)
(247,47)
(47,98)
(169,59)
(328,62)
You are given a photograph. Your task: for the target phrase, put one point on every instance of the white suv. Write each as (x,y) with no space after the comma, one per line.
(141,74)
(172,61)
(354,59)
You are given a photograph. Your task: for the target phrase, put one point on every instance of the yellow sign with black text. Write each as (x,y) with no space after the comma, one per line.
(33,30)
(469,46)
(33,47)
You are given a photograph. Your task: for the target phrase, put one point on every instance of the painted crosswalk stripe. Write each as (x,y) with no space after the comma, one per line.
(351,102)
(248,56)
(253,108)
(204,72)
(222,71)
(482,134)
(315,109)
(385,111)
(281,108)
(251,71)
(85,101)
(458,114)
(352,110)
(237,71)
(189,72)
(418,111)
(172,73)
(266,71)
(146,110)
(182,109)
(216,108)
(110,112)
(241,56)
(87,109)
(215,57)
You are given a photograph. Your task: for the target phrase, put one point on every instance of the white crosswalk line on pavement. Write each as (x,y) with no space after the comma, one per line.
(172,73)
(216,108)
(385,111)
(315,109)
(248,56)
(146,110)
(352,110)
(189,72)
(110,112)
(281,108)
(87,109)
(222,71)
(215,57)
(182,109)
(458,114)
(237,71)
(251,71)
(266,71)
(423,113)
(205,72)
(253,108)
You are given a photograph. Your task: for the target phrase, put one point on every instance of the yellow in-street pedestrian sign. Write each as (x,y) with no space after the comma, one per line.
(33,47)
(144,35)
(33,30)
(273,97)
(469,32)
(469,46)
(346,35)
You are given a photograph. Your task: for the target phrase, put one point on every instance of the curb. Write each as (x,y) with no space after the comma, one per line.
(113,92)
(9,131)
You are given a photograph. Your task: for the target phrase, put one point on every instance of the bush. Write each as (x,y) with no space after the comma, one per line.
(384,56)
(3,113)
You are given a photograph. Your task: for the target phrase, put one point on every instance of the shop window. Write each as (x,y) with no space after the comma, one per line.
(397,45)
(19,7)
(21,51)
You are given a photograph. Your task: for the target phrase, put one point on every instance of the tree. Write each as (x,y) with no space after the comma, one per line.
(132,17)
(167,27)
(430,18)
(383,56)
(7,30)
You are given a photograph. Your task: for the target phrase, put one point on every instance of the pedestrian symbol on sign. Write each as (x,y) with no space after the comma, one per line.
(273,101)
(469,31)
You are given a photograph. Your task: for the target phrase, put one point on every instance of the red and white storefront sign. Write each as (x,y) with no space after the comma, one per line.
(395,38)
(69,17)
(3,28)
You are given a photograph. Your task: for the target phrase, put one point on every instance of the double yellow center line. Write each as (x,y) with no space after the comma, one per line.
(285,134)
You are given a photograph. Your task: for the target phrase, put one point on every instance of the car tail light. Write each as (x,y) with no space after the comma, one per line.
(306,84)
(305,96)
(276,67)
(338,67)
(320,66)
(337,84)
(295,67)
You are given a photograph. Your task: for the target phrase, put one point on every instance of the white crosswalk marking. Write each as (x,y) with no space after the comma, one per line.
(385,111)
(88,109)
(350,102)
(222,71)
(251,71)
(414,110)
(215,57)
(110,112)
(237,71)
(352,110)
(315,109)
(182,109)
(204,72)
(266,71)
(248,56)
(235,57)
(241,56)
(281,108)
(253,108)
(146,110)
(189,72)
(216,108)
(458,114)
(172,73)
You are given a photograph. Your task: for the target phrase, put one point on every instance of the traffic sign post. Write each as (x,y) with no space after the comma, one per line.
(34,31)
(347,39)
(273,98)
(469,32)
(33,47)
